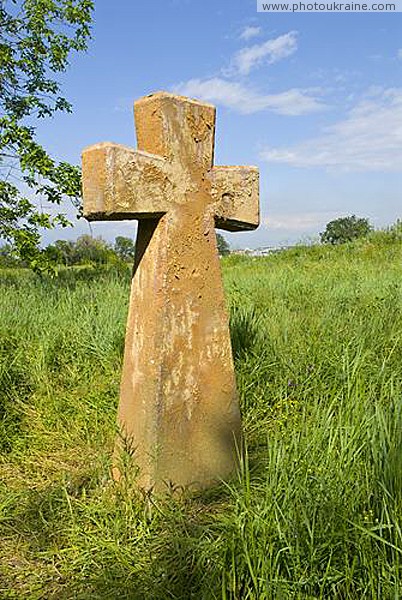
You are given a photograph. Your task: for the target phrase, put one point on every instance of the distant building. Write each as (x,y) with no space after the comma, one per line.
(265,251)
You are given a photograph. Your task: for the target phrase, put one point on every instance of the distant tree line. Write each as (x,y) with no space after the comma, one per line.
(86,250)
(97,251)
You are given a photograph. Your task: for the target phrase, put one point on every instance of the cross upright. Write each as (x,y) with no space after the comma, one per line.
(178,411)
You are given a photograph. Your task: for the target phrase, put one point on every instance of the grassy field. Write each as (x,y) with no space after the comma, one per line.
(316,511)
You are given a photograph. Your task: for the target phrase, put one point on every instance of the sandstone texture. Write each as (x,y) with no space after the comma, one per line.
(178,413)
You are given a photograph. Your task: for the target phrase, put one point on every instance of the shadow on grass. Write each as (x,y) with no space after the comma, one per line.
(79,545)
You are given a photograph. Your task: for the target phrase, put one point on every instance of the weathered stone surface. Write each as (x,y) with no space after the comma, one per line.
(178,406)
(235,191)
(120,183)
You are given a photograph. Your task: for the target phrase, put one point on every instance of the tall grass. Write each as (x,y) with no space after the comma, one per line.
(315,511)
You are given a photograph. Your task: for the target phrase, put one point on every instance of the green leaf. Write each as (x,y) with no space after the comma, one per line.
(38,38)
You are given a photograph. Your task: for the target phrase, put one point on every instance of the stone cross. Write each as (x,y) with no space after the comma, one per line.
(178,411)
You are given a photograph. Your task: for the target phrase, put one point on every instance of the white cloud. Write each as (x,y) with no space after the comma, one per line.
(369,139)
(305,221)
(250,32)
(245,100)
(399,54)
(268,52)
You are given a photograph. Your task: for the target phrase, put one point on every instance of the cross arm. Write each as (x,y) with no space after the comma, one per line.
(121,183)
(235,191)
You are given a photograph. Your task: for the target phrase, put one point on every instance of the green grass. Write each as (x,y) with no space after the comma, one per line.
(316,510)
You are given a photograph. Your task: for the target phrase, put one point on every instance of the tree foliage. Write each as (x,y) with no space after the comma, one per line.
(124,248)
(85,250)
(345,229)
(37,38)
(223,245)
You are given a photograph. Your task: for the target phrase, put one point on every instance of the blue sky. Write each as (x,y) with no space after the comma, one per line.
(314,100)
